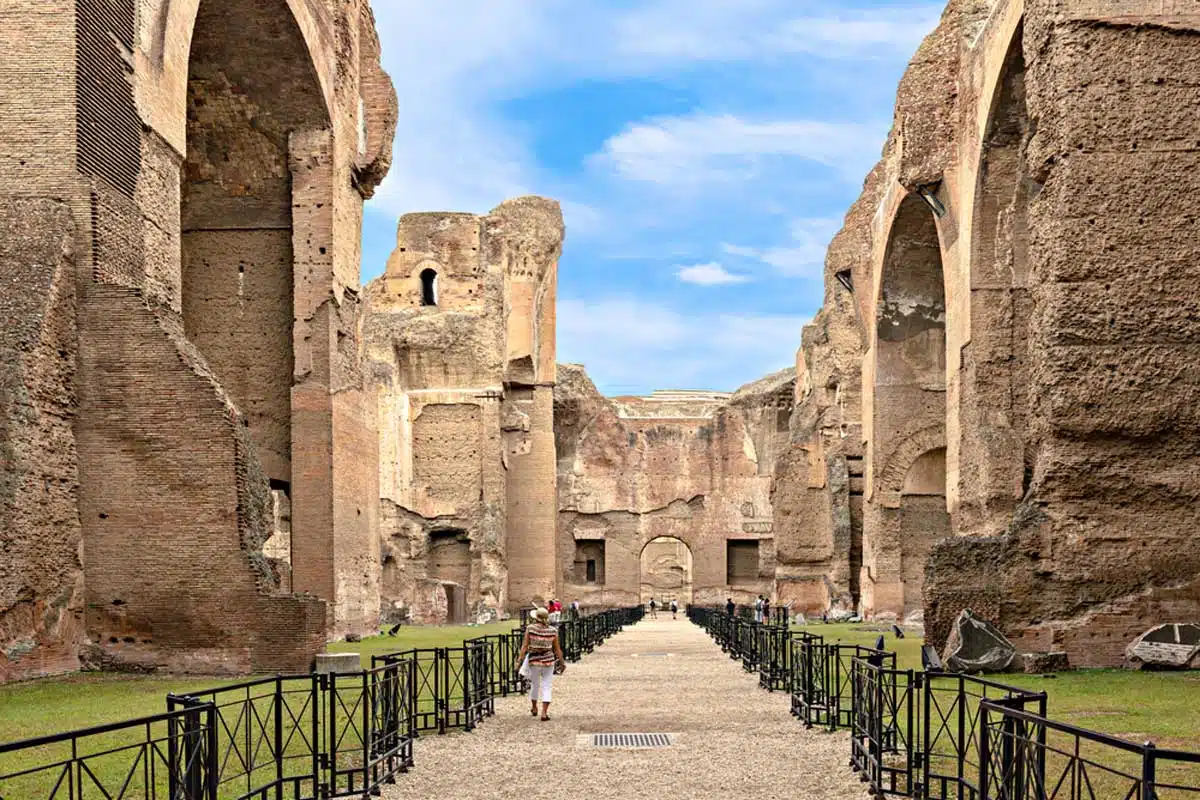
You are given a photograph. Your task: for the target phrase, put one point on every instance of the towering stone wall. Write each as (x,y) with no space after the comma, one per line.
(190,351)
(684,466)
(1024,336)
(458,330)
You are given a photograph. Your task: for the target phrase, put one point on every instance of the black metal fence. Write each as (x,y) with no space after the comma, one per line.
(946,736)
(288,737)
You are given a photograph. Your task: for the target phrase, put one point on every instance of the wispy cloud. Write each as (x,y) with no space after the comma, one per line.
(454,62)
(803,256)
(722,30)
(710,274)
(673,349)
(701,149)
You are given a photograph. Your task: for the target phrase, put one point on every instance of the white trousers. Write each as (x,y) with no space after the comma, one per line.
(539,682)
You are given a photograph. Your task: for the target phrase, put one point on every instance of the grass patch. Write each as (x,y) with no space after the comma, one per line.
(52,705)
(907,650)
(49,705)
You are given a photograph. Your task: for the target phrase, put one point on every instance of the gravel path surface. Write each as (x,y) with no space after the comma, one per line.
(733,739)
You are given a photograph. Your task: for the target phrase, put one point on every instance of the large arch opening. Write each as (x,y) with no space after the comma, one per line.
(251,89)
(994,463)
(665,571)
(909,402)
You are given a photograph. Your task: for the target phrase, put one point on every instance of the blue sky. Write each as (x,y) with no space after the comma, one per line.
(704,152)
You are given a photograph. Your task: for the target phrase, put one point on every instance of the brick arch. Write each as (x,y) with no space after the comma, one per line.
(165,53)
(689,584)
(904,455)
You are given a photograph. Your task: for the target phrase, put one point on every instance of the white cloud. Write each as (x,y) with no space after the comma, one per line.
(455,62)
(724,30)
(630,345)
(700,148)
(803,256)
(711,274)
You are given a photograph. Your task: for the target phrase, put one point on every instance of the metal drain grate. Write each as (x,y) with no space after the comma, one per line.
(631,740)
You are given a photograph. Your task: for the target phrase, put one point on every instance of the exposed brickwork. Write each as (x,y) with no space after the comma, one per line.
(696,469)
(465,406)
(41,601)
(208,225)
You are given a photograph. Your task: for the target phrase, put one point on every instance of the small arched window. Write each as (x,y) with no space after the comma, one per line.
(429,287)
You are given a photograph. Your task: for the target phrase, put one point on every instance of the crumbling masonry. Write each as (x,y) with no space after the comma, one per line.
(1007,350)
(181,189)
(460,348)
(217,452)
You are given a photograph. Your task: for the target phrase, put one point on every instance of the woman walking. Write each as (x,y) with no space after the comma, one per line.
(545,654)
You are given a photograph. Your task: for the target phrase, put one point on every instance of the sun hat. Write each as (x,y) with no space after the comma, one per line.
(541,615)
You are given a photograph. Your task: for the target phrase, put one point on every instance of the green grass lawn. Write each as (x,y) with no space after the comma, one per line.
(1163,707)
(49,705)
(52,705)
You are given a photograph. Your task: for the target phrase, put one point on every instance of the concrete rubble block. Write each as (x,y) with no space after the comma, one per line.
(338,663)
(1041,663)
(1170,646)
(977,645)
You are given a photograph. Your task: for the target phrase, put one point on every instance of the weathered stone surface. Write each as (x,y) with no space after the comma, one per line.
(1023,339)
(1041,663)
(459,337)
(667,495)
(976,645)
(1171,646)
(181,191)
(337,663)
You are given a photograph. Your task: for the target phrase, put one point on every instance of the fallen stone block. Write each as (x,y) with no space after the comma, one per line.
(976,645)
(338,663)
(1170,646)
(1040,663)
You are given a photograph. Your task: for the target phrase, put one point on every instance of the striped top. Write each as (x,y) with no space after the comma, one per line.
(541,644)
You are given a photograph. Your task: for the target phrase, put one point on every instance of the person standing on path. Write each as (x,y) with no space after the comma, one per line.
(674,608)
(730,608)
(545,654)
(766,611)
(758,609)
(653,609)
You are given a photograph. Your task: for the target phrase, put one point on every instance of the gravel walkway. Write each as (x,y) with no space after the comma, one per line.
(733,739)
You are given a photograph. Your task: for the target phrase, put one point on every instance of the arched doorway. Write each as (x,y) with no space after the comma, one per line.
(907,510)
(665,571)
(923,520)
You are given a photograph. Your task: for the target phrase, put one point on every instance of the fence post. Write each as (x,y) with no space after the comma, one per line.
(468,705)
(316,694)
(985,757)
(1148,776)
(173,742)
(194,757)
(278,738)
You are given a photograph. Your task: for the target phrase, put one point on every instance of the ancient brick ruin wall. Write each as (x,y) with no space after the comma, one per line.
(175,446)
(41,598)
(457,330)
(1067,430)
(633,470)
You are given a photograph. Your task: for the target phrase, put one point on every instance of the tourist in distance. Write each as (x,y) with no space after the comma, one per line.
(545,659)
(674,608)
(653,609)
(766,609)
(574,609)
(730,608)
(758,603)
(555,609)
